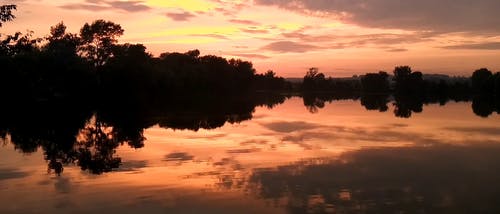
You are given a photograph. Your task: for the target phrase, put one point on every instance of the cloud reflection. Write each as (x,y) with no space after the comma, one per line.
(437,179)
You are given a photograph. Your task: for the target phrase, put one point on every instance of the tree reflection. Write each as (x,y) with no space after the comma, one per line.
(375,102)
(484,106)
(96,146)
(70,132)
(315,101)
(404,105)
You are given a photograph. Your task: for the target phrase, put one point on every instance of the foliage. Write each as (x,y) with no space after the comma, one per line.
(6,13)
(98,40)
(375,82)
(407,81)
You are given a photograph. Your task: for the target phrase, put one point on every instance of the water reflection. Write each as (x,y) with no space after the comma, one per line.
(438,179)
(206,156)
(69,132)
(404,106)
(74,133)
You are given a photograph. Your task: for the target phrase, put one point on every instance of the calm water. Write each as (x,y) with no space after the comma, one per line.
(339,159)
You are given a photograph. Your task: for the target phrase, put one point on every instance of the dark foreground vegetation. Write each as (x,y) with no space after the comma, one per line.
(80,96)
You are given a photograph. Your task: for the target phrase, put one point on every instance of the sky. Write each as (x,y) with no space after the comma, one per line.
(340,37)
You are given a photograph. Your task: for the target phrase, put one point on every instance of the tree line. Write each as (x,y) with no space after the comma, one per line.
(404,81)
(93,64)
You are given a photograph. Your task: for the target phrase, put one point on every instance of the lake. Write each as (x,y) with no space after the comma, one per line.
(284,157)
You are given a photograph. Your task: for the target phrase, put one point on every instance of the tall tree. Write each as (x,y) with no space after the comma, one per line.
(6,13)
(402,73)
(98,40)
(482,80)
(61,43)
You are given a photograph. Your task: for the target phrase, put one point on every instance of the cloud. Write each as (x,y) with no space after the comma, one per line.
(91,7)
(398,50)
(244,22)
(448,16)
(254,31)
(129,6)
(180,16)
(391,42)
(248,55)
(476,46)
(243,151)
(100,5)
(240,46)
(217,36)
(362,39)
(286,127)
(288,46)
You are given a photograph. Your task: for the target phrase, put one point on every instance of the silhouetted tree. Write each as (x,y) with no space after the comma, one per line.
(6,13)
(496,83)
(270,82)
(19,44)
(401,73)
(313,80)
(61,43)
(482,80)
(98,40)
(375,82)
(408,82)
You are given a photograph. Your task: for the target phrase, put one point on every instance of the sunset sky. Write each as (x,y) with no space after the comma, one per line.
(341,37)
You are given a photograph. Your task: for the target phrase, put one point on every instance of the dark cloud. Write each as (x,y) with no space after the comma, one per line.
(288,46)
(100,5)
(243,151)
(362,39)
(292,126)
(129,6)
(244,22)
(391,42)
(91,7)
(253,142)
(476,46)
(180,16)
(448,16)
